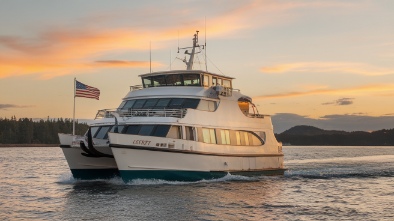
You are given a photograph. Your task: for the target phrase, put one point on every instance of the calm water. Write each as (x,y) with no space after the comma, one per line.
(322,183)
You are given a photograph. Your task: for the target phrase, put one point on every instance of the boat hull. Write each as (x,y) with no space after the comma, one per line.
(139,163)
(86,167)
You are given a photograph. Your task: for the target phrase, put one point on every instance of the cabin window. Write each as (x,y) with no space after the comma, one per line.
(189,133)
(214,81)
(132,129)
(175,132)
(128,104)
(122,104)
(162,103)
(161,130)
(206,105)
(93,130)
(209,135)
(102,133)
(206,81)
(220,82)
(174,80)
(225,135)
(150,103)
(237,138)
(139,104)
(120,128)
(146,130)
(147,82)
(227,83)
(159,80)
(191,103)
(191,80)
(246,138)
(176,103)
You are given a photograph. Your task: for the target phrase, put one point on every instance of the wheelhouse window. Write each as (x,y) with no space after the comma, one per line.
(191,80)
(147,82)
(206,81)
(129,104)
(139,104)
(174,80)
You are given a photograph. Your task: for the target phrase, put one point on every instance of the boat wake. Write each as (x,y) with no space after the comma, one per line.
(228,177)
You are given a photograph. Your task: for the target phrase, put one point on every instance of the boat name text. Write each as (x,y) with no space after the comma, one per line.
(141,142)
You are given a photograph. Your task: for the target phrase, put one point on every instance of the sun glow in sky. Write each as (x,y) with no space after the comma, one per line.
(308,59)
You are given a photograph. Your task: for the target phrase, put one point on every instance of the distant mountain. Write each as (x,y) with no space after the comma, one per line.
(310,131)
(309,135)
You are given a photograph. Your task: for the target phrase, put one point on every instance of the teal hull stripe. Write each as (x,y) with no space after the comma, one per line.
(192,152)
(177,175)
(94,174)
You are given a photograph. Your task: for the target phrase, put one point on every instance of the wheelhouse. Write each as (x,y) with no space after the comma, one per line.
(185,78)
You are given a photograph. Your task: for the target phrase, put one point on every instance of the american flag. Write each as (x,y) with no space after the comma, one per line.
(83,90)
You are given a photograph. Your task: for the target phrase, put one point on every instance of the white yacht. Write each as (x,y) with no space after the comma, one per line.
(89,156)
(190,125)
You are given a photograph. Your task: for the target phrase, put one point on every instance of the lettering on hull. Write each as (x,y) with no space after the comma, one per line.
(142,142)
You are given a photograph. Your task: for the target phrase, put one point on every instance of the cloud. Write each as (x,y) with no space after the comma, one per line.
(10,106)
(353,90)
(62,50)
(327,67)
(342,101)
(346,122)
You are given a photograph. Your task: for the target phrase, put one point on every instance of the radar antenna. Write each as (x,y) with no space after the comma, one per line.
(189,63)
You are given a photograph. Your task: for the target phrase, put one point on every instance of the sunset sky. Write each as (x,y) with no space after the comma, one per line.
(323,63)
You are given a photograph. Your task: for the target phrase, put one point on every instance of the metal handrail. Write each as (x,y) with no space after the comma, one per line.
(108,113)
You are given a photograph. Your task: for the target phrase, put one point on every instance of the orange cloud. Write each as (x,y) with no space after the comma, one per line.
(354,90)
(328,67)
(61,51)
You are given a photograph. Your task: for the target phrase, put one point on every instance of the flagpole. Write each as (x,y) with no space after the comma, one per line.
(74,108)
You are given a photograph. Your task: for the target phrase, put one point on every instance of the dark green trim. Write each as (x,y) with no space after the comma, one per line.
(177,175)
(192,152)
(93,174)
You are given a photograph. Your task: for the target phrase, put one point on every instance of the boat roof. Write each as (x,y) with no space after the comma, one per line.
(184,72)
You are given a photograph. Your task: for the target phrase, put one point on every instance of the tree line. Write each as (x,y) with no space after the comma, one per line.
(307,135)
(29,131)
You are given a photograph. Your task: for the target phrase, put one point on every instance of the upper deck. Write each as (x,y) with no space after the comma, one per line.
(196,78)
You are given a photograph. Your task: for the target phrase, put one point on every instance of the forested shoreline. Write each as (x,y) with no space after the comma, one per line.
(36,132)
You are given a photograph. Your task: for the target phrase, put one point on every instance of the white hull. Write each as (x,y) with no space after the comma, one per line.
(161,162)
(81,165)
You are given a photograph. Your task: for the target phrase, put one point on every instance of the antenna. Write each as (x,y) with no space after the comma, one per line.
(170,58)
(150,56)
(205,44)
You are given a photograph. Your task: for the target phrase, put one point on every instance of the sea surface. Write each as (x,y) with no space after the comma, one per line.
(321,183)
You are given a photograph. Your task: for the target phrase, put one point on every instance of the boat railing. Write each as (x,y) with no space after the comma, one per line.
(109,113)
(136,87)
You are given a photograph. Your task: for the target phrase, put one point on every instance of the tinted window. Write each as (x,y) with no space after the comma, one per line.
(191,80)
(162,103)
(176,103)
(120,128)
(174,80)
(132,129)
(139,104)
(102,133)
(161,130)
(93,130)
(128,104)
(150,103)
(146,130)
(191,103)
(147,82)
(122,104)
(159,81)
